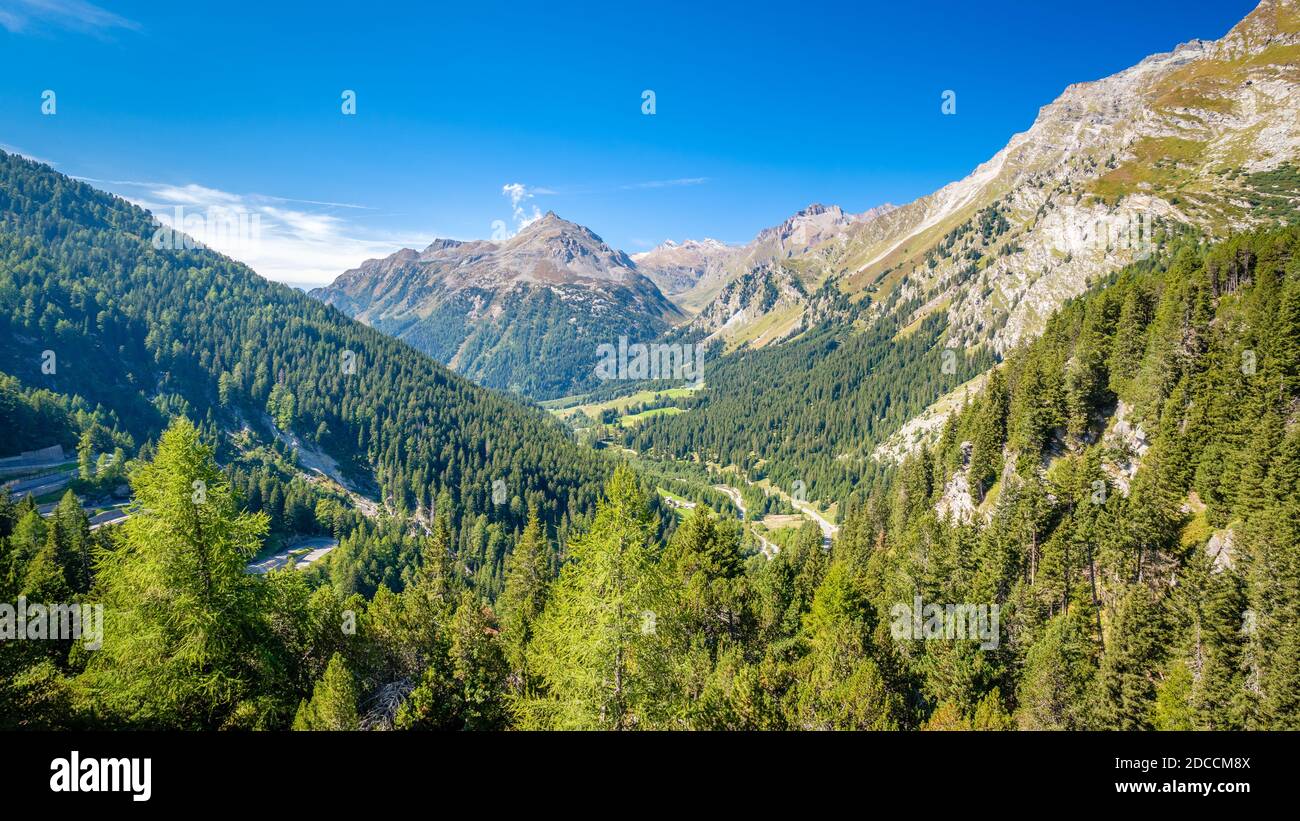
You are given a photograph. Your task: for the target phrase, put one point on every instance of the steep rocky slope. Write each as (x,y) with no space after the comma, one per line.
(1202,138)
(762,291)
(526,314)
(677,268)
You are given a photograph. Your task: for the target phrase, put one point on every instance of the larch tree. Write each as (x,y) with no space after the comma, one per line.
(178,614)
(597,649)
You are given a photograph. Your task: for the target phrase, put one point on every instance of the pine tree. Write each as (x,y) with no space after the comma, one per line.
(1059,670)
(989,434)
(841,687)
(74,542)
(478,666)
(1130,337)
(1218,695)
(1172,709)
(991,715)
(1134,654)
(1272,626)
(436,578)
(46,577)
(86,454)
(703,561)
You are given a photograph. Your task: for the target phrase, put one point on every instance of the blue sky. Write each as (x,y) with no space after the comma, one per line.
(760,108)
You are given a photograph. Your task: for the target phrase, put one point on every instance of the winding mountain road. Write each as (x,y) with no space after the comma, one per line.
(829,531)
(316,549)
(734,496)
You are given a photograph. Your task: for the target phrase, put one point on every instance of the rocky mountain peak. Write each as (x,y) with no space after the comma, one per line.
(816,209)
(553,249)
(442,245)
(668,246)
(806,228)
(494,310)
(1271,20)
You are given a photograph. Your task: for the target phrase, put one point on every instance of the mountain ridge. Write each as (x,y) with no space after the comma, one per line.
(523,314)
(150,333)
(1147,146)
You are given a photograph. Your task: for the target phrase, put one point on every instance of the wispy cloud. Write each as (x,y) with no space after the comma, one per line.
(39,16)
(12,150)
(519,194)
(196,194)
(296,241)
(677,183)
(301,241)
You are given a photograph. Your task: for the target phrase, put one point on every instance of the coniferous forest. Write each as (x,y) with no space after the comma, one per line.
(1122,488)
(893,369)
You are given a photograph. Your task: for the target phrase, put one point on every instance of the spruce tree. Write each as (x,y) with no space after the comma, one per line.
(528,578)
(333,704)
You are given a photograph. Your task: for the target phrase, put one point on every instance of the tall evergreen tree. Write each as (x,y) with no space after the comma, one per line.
(333,704)
(528,577)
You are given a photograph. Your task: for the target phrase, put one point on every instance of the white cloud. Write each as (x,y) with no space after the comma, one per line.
(190,194)
(28,16)
(518,193)
(299,242)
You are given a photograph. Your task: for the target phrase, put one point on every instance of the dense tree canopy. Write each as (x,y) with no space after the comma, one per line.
(1113,515)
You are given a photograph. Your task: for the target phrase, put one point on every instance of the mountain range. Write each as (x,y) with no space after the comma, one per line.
(524,315)
(97,321)
(1202,138)
(1064,390)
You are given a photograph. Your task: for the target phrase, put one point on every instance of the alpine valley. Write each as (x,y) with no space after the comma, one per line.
(1063,390)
